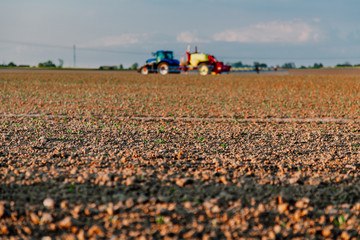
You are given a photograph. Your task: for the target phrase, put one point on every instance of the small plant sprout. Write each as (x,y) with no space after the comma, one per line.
(159,220)
(71,187)
(339,221)
(162,129)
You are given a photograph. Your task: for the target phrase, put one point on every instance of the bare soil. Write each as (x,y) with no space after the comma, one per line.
(99,177)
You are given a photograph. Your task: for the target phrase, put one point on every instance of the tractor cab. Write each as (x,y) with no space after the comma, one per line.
(161,55)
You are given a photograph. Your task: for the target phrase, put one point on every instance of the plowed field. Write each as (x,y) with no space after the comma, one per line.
(113,155)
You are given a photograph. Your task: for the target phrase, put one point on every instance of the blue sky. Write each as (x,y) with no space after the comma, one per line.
(114,32)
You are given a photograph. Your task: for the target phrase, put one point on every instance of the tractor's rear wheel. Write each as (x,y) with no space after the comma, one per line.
(203,69)
(163,68)
(144,70)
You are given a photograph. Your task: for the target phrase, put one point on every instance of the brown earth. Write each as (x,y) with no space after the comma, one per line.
(129,94)
(98,177)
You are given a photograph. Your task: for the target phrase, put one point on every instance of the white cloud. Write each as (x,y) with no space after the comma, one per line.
(295,31)
(121,40)
(189,37)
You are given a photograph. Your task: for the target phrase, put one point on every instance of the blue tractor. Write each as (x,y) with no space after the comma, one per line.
(163,63)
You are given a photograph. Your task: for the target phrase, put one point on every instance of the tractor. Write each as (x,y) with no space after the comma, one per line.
(163,63)
(204,63)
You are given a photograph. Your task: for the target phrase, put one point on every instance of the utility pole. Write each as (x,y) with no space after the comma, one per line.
(74,56)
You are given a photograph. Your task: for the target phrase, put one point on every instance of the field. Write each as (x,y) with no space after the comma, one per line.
(89,154)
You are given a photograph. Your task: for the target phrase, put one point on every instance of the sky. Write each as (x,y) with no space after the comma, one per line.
(114,32)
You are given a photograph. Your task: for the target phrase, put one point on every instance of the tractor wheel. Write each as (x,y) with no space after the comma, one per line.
(203,69)
(163,68)
(144,70)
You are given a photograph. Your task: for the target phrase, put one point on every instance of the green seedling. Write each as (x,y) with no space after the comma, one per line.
(161,129)
(160,220)
(71,187)
(339,221)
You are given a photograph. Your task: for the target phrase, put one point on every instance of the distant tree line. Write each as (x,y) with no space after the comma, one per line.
(12,64)
(135,66)
(47,64)
(347,64)
(320,65)
(291,65)
(50,64)
(256,64)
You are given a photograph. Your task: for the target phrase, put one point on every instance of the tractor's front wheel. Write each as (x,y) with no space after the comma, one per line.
(144,70)
(203,69)
(163,68)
